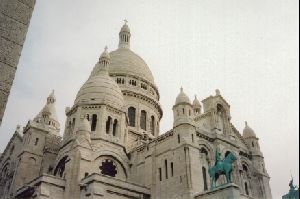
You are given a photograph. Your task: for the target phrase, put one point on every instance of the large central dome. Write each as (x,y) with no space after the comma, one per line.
(124,61)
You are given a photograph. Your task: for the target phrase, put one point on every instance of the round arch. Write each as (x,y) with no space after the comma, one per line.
(120,160)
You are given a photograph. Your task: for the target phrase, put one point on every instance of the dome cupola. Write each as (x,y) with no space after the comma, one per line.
(248,132)
(196,102)
(196,106)
(183,110)
(104,60)
(182,98)
(135,80)
(252,141)
(48,116)
(124,36)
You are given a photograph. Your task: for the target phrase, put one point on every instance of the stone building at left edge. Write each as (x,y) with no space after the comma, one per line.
(112,147)
(15,16)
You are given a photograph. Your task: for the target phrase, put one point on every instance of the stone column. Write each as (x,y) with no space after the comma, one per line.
(15,17)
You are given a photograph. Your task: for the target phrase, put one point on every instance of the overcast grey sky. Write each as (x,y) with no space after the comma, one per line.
(246,48)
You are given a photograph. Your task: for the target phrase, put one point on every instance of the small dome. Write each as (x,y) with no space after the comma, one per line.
(182,98)
(105,54)
(248,132)
(100,89)
(125,28)
(196,102)
(49,109)
(84,125)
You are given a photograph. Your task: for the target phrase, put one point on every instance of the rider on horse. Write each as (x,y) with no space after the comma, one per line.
(218,157)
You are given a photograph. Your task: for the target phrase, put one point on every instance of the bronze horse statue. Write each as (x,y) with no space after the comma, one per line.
(222,168)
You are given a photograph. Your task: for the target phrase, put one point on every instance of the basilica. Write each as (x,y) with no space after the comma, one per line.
(112,148)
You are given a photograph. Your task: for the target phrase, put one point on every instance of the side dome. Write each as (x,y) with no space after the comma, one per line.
(248,132)
(182,98)
(196,102)
(101,88)
(124,61)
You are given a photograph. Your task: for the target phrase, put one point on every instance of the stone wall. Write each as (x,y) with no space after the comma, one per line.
(229,191)
(15,17)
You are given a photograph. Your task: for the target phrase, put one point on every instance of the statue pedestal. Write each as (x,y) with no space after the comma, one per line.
(228,191)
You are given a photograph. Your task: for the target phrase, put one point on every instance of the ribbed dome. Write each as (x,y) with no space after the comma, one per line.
(125,28)
(105,54)
(182,98)
(124,61)
(100,89)
(248,132)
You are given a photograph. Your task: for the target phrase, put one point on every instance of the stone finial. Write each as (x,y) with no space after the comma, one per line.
(218,92)
(18,128)
(125,21)
(51,98)
(246,123)
(181,89)
(67,110)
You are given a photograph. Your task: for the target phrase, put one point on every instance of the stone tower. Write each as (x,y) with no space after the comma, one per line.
(15,17)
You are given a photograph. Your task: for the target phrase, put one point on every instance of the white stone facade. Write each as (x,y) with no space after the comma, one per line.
(111,147)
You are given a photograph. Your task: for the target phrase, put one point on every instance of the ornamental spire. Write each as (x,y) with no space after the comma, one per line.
(124,36)
(51,98)
(104,60)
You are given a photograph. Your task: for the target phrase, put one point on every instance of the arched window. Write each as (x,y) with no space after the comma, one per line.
(204,174)
(94,122)
(60,168)
(36,141)
(143,119)
(227,153)
(246,189)
(131,116)
(245,168)
(152,126)
(166,169)
(160,174)
(108,122)
(172,169)
(115,127)
(204,151)
(73,121)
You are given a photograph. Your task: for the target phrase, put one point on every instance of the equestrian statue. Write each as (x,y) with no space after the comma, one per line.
(222,168)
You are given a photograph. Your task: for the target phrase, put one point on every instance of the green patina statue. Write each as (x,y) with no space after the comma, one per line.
(222,168)
(294,191)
